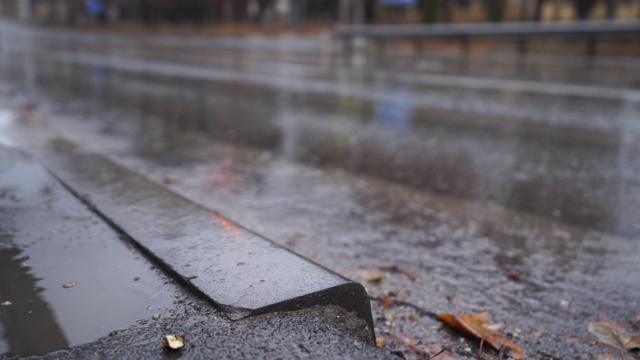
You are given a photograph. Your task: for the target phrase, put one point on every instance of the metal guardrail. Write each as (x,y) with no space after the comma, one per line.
(515,29)
(590,31)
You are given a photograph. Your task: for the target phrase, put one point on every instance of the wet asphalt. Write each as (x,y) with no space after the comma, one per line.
(513,194)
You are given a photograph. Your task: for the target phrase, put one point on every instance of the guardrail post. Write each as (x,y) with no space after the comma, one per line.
(464,54)
(592,46)
(380,48)
(419,46)
(592,50)
(346,46)
(522,54)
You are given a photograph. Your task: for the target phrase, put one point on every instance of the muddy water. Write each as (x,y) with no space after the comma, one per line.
(462,180)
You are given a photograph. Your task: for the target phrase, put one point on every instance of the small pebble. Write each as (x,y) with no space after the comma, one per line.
(69,285)
(6,303)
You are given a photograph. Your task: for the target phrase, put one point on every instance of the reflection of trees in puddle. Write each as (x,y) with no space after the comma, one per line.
(30,327)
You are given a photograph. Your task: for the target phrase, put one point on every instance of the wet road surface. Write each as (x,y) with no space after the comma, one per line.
(462,180)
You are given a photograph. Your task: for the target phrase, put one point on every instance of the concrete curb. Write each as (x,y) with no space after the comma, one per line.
(240,272)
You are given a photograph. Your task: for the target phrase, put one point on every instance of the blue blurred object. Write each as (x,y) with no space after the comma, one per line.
(399,2)
(94,7)
(395,107)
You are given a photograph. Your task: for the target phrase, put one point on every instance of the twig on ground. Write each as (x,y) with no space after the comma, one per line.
(480,349)
(421,311)
(434,356)
(501,353)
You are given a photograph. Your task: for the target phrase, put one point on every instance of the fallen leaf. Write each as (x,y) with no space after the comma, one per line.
(478,326)
(514,276)
(173,342)
(394,268)
(30,107)
(612,333)
(385,301)
(401,339)
(437,352)
(293,240)
(636,321)
(171,179)
(69,285)
(380,341)
(375,277)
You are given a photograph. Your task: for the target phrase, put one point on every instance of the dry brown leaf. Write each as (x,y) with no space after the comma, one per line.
(636,321)
(171,179)
(612,333)
(515,276)
(394,268)
(478,326)
(437,352)
(173,342)
(385,301)
(375,277)
(380,341)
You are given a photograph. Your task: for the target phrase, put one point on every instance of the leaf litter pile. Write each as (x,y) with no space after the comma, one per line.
(489,338)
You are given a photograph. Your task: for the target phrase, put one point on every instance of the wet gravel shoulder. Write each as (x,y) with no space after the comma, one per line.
(316,333)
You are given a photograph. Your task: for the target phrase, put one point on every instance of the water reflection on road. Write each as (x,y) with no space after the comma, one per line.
(463,179)
(580,168)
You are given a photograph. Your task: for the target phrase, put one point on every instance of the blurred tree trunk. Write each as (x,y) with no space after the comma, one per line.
(612,8)
(429,10)
(447,8)
(524,10)
(538,14)
(583,8)
(370,11)
(495,9)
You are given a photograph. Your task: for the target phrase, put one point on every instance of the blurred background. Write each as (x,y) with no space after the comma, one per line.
(488,147)
(302,13)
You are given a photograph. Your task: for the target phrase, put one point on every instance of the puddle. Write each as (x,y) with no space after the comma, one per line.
(48,239)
